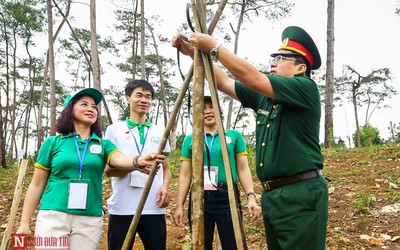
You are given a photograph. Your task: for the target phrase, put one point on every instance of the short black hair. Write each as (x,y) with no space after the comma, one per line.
(132,85)
(302,60)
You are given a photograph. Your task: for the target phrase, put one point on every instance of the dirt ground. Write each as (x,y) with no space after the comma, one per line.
(364,204)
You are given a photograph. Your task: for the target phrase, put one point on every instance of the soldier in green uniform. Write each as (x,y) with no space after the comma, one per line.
(288,156)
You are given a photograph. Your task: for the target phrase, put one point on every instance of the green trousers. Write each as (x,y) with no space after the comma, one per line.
(296,215)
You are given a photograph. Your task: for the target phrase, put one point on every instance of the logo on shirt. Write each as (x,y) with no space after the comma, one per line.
(228,140)
(127,135)
(155,140)
(95,149)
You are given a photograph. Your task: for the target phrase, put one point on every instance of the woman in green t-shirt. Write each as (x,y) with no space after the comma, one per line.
(67,181)
(216,201)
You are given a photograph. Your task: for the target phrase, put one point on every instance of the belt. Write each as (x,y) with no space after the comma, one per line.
(222,186)
(271,184)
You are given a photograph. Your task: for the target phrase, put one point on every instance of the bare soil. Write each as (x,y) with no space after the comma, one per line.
(362,183)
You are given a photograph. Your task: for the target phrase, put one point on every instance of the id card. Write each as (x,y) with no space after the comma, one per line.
(210,178)
(138,179)
(77,195)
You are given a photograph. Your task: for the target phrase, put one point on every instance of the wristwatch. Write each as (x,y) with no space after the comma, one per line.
(214,51)
(134,162)
(250,193)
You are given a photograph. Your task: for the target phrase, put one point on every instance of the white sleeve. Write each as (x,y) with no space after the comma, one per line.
(110,135)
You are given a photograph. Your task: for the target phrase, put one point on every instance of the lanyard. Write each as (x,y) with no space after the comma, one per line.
(81,157)
(134,138)
(209,147)
(209,150)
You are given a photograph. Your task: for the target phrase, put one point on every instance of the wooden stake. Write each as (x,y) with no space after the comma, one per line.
(15,203)
(199,17)
(197,189)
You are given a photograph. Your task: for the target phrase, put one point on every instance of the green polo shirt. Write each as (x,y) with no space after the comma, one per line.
(287,129)
(58,155)
(236,148)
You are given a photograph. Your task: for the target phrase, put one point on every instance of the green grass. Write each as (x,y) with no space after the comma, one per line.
(365,202)
(393,195)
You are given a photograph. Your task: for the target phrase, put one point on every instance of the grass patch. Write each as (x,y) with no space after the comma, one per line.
(253,228)
(365,202)
(393,196)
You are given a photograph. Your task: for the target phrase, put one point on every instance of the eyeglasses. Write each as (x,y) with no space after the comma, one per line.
(278,59)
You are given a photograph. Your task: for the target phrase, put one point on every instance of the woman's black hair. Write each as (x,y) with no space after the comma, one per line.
(65,122)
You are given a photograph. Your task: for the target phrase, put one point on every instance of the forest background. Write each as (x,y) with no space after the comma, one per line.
(365,66)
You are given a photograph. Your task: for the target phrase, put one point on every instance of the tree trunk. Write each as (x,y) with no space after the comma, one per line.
(142,41)
(172,136)
(3,121)
(31,78)
(13,147)
(134,38)
(198,153)
(94,49)
(2,141)
(51,69)
(160,73)
(354,101)
(329,136)
(40,131)
(237,33)
(96,70)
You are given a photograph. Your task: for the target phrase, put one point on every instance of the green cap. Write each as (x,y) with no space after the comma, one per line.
(207,98)
(92,92)
(298,41)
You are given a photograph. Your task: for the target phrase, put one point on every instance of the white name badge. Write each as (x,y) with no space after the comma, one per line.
(210,178)
(77,195)
(138,179)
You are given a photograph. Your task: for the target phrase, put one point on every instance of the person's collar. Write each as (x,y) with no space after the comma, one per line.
(215,133)
(70,134)
(132,124)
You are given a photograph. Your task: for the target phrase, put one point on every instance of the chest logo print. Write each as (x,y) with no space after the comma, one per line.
(95,149)
(155,140)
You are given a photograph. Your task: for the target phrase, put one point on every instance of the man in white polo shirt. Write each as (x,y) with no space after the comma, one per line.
(137,136)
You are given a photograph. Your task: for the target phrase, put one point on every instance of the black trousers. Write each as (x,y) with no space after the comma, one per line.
(217,212)
(152,230)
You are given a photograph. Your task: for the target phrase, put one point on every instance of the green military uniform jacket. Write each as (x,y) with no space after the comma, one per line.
(287,129)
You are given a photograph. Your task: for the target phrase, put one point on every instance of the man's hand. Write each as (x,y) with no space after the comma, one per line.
(181,42)
(163,197)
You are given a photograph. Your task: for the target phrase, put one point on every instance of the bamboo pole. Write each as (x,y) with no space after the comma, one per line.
(199,14)
(15,203)
(168,128)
